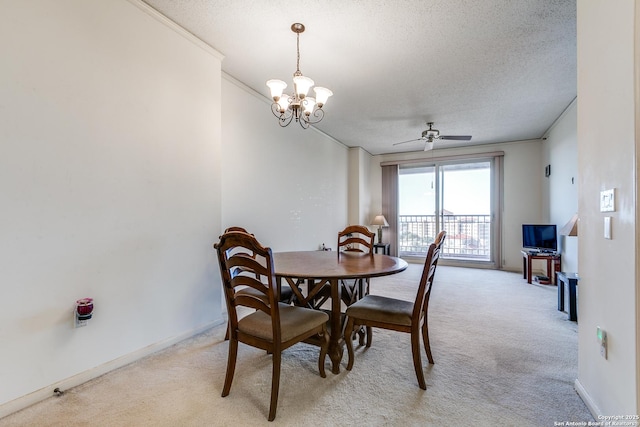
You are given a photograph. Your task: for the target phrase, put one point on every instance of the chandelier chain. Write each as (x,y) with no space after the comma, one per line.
(298,58)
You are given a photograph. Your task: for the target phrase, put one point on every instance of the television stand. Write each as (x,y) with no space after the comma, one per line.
(553,265)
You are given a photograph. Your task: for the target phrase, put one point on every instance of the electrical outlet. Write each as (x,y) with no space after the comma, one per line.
(602,339)
(79,323)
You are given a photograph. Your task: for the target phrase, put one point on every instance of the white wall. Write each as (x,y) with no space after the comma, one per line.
(607,158)
(522,188)
(355,182)
(288,186)
(560,189)
(359,188)
(109,188)
(366,215)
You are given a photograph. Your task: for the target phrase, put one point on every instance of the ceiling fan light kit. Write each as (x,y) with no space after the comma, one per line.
(304,109)
(431,135)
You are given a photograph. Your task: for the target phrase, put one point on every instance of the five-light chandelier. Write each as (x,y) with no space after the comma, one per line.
(304,109)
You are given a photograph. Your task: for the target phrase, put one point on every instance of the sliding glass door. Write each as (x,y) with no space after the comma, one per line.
(454,196)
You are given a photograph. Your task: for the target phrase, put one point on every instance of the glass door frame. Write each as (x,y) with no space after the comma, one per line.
(496,192)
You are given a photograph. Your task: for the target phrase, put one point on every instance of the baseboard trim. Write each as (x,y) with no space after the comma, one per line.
(81,378)
(586,398)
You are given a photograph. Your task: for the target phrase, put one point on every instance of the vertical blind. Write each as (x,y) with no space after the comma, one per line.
(390,205)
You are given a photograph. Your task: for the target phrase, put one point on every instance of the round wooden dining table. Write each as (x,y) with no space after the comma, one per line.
(318,268)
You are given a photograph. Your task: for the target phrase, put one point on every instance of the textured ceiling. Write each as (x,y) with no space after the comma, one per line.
(499,70)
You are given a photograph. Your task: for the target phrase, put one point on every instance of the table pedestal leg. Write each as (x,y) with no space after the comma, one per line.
(335,340)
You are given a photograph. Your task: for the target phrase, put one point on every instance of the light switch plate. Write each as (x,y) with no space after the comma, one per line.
(608,200)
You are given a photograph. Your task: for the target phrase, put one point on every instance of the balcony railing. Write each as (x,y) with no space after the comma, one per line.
(468,236)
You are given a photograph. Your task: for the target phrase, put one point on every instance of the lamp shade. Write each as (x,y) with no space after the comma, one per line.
(276,86)
(302,85)
(283,103)
(322,94)
(571,227)
(309,103)
(380,220)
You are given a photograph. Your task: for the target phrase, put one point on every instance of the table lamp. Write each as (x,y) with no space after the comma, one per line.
(380,221)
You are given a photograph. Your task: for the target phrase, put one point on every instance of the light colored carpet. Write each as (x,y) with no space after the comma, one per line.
(504,356)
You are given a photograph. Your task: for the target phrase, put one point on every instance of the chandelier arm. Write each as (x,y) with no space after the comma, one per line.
(275,109)
(283,118)
(315,117)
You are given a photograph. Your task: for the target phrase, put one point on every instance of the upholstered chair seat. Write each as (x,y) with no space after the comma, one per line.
(294,321)
(382,309)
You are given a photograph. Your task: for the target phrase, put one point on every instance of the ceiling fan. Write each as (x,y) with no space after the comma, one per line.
(430,135)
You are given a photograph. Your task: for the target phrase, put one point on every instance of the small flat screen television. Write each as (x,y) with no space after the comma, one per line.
(540,237)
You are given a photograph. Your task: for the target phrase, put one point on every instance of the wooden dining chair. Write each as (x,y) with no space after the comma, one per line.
(398,315)
(357,238)
(354,238)
(286,293)
(274,326)
(439,240)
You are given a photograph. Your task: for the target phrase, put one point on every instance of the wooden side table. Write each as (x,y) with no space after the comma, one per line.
(553,265)
(383,246)
(570,280)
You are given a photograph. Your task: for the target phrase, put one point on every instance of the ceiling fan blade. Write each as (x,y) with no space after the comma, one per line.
(428,146)
(456,137)
(404,142)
